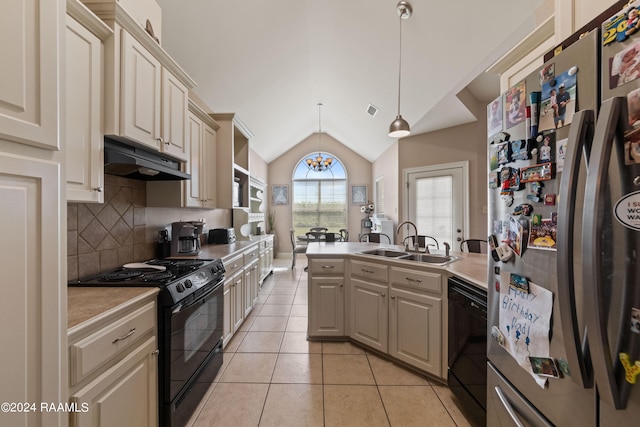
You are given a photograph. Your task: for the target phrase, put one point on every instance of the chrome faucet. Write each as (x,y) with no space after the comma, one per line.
(447,248)
(416,247)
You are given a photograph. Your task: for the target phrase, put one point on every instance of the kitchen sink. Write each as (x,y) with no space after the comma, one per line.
(389,253)
(430,258)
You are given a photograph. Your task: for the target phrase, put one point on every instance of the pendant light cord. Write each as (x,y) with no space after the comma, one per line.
(400,63)
(319,126)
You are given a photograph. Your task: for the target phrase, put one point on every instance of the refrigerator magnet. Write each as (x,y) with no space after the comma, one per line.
(519,282)
(519,150)
(550,199)
(541,172)
(635,320)
(494,180)
(631,371)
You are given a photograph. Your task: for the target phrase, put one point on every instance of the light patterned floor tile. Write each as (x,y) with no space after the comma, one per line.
(417,406)
(353,406)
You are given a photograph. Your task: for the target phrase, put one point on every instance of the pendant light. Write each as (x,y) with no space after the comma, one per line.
(319,164)
(399,128)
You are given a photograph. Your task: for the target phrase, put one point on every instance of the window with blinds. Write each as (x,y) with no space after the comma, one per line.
(319,198)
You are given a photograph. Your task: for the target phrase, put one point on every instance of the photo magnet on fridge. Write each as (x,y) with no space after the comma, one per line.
(519,282)
(519,150)
(544,366)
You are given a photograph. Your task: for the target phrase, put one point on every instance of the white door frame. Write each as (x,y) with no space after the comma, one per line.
(464,165)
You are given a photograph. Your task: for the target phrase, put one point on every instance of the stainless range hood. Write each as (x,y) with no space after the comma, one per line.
(136,163)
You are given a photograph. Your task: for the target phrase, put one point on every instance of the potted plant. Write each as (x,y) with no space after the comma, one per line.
(271,223)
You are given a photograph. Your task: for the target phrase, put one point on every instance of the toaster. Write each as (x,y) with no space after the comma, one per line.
(221,236)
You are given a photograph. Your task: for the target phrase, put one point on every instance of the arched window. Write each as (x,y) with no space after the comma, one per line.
(319,198)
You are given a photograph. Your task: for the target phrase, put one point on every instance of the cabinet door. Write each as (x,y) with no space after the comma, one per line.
(208,178)
(175,100)
(227,324)
(236,297)
(34,329)
(85,157)
(369,314)
(140,101)
(194,185)
(326,314)
(415,334)
(247,289)
(126,394)
(30,71)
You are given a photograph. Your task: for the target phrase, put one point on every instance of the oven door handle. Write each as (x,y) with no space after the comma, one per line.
(181,307)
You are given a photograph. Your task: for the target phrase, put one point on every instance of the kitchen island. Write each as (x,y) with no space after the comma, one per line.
(396,307)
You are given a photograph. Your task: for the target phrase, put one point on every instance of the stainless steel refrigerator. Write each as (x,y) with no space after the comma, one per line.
(572,229)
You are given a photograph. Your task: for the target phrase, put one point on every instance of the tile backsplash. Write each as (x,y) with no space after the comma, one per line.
(103,236)
(123,229)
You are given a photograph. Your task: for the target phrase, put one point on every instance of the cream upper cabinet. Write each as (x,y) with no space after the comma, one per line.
(200,190)
(146,91)
(83,100)
(29,93)
(153,101)
(175,100)
(141,100)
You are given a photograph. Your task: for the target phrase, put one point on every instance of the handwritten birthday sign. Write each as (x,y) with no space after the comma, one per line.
(525,319)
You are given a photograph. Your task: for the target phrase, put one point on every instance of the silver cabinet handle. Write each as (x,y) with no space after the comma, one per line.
(409,279)
(383,295)
(159,140)
(393,297)
(124,337)
(328,266)
(167,142)
(366,271)
(155,352)
(508,407)
(98,189)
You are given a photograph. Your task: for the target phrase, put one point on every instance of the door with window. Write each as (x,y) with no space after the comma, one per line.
(437,200)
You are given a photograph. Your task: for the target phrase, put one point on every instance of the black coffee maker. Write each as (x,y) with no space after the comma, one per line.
(185,238)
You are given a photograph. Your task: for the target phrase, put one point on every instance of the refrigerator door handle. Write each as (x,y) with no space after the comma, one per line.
(507,406)
(579,142)
(611,121)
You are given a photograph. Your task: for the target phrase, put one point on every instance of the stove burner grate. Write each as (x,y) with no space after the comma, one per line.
(120,275)
(159,276)
(190,263)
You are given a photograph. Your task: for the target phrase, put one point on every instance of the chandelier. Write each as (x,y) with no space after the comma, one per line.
(319,163)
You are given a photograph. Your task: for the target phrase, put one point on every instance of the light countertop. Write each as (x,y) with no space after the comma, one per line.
(85,303)
(470,267)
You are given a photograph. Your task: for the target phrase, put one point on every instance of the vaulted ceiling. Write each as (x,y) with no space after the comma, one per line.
(272,61)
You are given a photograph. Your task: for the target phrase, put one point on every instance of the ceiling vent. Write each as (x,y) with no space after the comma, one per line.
(372,110)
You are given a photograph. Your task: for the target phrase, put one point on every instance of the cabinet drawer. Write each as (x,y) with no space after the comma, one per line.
(91,352)
(326,267)
(251,255)
(367,270)
(233,264)
(423,280)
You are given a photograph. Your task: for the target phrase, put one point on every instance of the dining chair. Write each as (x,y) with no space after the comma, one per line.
(373,237)
(314,236)
(345,234)
(297,248)
(474,246)
(321,229)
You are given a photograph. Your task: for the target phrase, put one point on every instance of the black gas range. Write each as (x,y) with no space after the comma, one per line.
(180,280)
(190,326)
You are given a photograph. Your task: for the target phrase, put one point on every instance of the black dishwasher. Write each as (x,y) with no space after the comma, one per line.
(467,375)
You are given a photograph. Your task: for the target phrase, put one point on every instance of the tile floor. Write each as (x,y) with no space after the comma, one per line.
(273,376)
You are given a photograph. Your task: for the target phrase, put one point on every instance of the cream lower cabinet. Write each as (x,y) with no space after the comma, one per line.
(240,290)
(250,289)
(232,306)
(113,372)
(369,311)
(415,319)
(326,297)
(266,257)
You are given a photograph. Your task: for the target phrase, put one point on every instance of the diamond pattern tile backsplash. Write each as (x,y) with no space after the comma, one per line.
(103,236)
